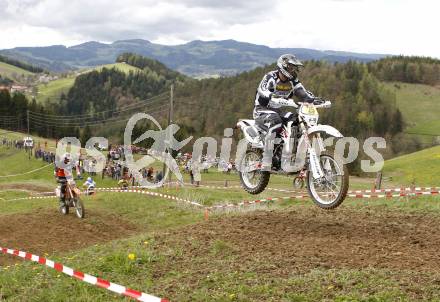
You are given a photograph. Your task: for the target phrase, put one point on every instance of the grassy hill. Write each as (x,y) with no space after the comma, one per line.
(120,66)
(420,106)
(54,89)
(13,72)
(421,167)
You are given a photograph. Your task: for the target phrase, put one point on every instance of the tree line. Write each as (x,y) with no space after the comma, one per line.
(21,64)
(417,70)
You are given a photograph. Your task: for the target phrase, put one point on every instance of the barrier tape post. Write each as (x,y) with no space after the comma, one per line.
(113,287)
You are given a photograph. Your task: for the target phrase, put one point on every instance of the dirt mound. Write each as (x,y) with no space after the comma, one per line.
(44,231)
(285,243)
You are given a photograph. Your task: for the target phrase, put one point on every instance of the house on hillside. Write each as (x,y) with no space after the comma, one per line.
(5,87)
(46,78)
(19,88)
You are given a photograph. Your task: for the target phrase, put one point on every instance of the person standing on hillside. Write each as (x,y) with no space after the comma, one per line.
(277,85)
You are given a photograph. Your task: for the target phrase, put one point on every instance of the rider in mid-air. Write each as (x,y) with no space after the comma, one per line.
(277,85)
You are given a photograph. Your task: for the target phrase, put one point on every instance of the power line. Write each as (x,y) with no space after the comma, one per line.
(74,122)
(96,117)
(138,104)
(96,123)
(55,119)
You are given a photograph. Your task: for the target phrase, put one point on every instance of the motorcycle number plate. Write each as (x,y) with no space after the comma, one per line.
(309,110)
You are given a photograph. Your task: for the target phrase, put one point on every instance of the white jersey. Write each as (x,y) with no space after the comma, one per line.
(272,85)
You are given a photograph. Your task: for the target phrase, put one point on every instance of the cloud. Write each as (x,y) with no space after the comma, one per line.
(108,21)
(392,26)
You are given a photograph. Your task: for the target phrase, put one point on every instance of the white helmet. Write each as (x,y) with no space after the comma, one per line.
(289,66)
(66,157)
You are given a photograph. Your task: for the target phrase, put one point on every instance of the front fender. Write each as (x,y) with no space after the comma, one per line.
(332,131)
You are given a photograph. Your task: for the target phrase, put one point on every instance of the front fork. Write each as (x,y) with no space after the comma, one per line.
(314,150)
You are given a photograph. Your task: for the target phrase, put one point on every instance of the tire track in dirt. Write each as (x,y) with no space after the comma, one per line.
(281,244)
(47,231)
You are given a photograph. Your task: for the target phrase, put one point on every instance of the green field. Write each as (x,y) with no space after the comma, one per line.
(13,72)
(54,89)
(120,66)
(420,106)
(421,167)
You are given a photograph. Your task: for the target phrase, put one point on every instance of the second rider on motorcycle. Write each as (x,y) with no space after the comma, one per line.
(63,175)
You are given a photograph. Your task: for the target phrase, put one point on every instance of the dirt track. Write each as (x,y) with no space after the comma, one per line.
(282,242)
(47,231)
(285,243)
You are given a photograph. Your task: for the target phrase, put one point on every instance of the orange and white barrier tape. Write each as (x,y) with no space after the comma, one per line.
(32,197)
(259,201)
(389,195)
(116,288)
(166,196)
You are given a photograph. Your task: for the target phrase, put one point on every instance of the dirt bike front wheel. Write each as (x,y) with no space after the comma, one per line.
(79,208)
(329,191)
(64,209)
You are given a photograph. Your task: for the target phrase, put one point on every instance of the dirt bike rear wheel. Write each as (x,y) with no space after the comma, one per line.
(253,182)
(79,208)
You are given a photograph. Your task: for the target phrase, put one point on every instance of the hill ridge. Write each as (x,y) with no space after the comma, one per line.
(195,58)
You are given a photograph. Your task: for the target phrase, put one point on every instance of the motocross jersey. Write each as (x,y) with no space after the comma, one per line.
(62,174)
(271,85)
(59,172)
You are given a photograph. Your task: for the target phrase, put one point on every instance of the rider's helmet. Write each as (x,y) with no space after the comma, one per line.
(89,179)
(289,66)
(66,158)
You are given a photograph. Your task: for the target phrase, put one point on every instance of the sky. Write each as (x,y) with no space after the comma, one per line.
(406,27)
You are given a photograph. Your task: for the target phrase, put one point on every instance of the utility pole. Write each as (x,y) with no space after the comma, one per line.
(170,120)
(27,147)
(27,119)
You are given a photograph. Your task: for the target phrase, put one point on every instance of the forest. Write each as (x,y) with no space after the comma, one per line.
(21,65)
(417,70)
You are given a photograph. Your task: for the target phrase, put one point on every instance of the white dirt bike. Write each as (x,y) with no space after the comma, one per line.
(300,141)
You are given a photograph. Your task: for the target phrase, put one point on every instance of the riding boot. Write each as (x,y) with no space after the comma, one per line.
(62,200)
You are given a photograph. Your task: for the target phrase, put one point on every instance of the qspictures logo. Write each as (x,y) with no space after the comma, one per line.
(346,150)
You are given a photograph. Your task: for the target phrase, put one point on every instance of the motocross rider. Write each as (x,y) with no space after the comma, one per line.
(62,176)
(276,86)
(89,183)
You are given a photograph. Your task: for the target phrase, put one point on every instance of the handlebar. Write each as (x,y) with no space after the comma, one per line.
(321,103)
(318,102)
(288,102)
